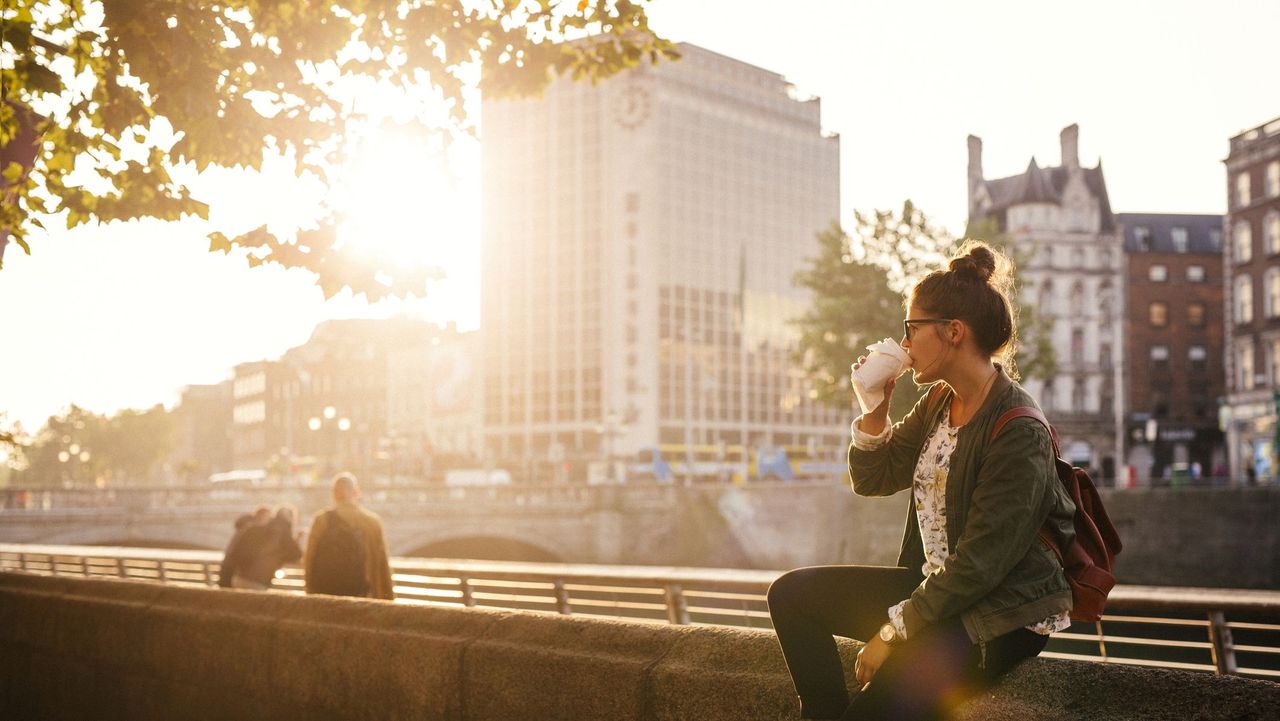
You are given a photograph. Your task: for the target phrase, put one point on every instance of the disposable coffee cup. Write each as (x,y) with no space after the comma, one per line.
(885,360)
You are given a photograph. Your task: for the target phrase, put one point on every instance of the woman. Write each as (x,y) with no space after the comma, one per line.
(974,591)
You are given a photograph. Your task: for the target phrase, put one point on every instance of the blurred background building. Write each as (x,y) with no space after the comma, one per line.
(1060,218)
(1252,286)
(1173,348)
(640,237)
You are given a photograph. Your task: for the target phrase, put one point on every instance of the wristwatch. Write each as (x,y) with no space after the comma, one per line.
(889,634)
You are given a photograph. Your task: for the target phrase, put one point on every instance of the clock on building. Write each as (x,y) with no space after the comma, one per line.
(632,107)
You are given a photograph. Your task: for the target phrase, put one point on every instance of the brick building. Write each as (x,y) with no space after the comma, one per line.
(1173,343)
(1251,263)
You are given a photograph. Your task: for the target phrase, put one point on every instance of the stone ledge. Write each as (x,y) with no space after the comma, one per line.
(106,649)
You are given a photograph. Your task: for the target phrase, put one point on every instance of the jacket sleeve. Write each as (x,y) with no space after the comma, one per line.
(313,533)
(1004,516)
(227,568)
(290,551)
(888,469)
(380,568)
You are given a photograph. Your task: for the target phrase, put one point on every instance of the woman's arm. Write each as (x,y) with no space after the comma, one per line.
(1005,513)
(887,469)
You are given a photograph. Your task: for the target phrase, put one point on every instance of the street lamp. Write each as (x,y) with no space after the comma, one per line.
(73,452)
(329,417)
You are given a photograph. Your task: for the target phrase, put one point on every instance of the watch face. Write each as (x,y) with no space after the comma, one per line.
(887,633)
(632,107)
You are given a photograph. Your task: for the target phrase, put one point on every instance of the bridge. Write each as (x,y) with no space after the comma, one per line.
(1223,537)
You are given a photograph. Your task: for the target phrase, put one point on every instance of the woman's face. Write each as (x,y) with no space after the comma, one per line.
(925,342)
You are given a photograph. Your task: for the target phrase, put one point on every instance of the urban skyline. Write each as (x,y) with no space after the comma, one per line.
(1194,95)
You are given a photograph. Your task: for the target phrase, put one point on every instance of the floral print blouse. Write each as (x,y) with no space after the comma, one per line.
(929,488)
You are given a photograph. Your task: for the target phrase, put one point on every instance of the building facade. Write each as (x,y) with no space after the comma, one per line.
(1060,220)
(323,406)
(640,236)
(202,432)
(1173,345)
(434,404)
(1251,262)
(258,436)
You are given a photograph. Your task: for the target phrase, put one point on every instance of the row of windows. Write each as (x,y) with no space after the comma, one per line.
(1179,236)
(1197,354)
(1079,401)
(1159,273)
(1244,184)
(1244,376)
(1158,314)
(1242,236)
(1242,296)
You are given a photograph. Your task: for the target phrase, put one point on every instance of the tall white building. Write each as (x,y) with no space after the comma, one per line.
(640,238)
(1061,218)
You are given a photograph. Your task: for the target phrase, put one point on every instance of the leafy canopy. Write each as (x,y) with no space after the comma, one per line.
(79,447)
(107,107)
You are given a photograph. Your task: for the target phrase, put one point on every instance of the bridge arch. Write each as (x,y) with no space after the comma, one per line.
(483,547)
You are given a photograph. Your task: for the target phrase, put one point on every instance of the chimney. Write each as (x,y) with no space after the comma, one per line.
(975,158)
(975,172)
(1071,147)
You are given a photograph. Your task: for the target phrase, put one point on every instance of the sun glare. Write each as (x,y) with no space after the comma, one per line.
(407,202)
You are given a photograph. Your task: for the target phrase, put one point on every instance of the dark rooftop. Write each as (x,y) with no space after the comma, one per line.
(1153,232)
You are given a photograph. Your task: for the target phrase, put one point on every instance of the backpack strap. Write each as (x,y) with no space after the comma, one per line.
(1027,412)
(1036,415)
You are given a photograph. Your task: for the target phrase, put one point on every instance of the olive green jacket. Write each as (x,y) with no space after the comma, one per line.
(998,576)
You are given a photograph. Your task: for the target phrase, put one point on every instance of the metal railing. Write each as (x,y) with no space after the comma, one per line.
(1222,631)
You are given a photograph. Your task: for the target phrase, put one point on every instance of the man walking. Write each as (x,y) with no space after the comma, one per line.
(346,551)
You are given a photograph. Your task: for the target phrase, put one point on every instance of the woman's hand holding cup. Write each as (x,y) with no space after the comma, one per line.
(874,377)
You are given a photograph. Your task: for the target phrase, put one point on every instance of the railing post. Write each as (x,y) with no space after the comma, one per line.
(53,565)
(160,571)
(22,561)
(464,585)
(121,571)
(1224,653)
(562,598)
(677,609)
(84,565)
(1102,640)
(208,574)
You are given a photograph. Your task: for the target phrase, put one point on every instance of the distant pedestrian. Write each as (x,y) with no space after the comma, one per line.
(346,550)
(226,570)
(1250,474)
(262,550)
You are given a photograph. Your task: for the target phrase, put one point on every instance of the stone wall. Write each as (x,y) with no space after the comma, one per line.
(102,649)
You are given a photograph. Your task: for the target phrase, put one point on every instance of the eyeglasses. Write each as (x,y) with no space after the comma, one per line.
(909,323)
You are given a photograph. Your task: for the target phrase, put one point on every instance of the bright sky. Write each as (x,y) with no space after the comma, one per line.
(126,315)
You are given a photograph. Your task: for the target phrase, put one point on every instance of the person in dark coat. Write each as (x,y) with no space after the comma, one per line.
(263,550)
(226,569)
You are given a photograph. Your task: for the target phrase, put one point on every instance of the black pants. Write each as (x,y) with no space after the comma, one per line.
(923,676)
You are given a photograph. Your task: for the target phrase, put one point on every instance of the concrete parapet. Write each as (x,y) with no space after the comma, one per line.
(107,649)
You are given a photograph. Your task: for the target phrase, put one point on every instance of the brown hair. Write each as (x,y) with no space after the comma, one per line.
(975,288)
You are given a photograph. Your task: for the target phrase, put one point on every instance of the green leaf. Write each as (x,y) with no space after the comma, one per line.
(12,173)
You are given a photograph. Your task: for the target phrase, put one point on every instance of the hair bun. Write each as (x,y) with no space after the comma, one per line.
(979,264)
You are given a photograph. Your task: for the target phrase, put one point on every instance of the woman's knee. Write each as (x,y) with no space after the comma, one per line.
(790,587)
